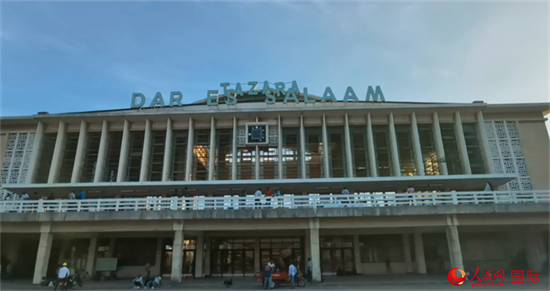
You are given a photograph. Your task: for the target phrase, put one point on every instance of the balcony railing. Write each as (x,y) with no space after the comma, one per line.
(285,201)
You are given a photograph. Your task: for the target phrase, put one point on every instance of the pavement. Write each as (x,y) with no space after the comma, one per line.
(387,282)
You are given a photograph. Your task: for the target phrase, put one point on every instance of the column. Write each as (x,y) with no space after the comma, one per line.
(407,252)
(80,152)
(43,255)
(177,252)
(536,254)
(207,256)
(484,144)
(325,147)
(58,153)
(124,150)
(158,255)
(189,163)
(393,147)
(257,254)
(370,145)
(315,251)
(36,153)
(419,253)
(168,152)
(199,256)
(438,141)
(146,153)
(280,147)
(417,147)
(212,149)
(257,164)
(453,241)
(302,148)
(102,153)
(347,137)
(357,254)
(234,151)
(90,262)
(459,131)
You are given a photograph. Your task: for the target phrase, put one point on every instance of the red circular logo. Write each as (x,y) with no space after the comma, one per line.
(454,279)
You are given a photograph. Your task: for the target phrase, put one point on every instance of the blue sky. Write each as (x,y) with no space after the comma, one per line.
(75,56)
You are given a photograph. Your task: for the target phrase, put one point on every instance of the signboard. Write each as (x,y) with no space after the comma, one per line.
(106,264)
(231,95)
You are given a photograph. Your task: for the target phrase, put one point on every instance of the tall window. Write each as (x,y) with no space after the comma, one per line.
(223,154)
(179,155)
(382,150)
(360,151)
(201,154)
(90,158)
(405,150)
(314,152)
(429,154)
(246,161)
(473,148)
(46,157)
(336,153)
(134,156)
(291,153)
(269,161)
(381,248)
(452,155)
(69,154)
(113,156)
(156,159)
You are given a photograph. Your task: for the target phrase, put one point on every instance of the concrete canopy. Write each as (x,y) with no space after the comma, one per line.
(286,186)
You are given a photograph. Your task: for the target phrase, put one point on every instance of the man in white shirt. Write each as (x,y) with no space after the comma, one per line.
(72,196)
(257,196)
(25,196)
(62,276)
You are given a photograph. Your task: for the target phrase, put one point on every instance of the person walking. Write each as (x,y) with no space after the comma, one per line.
(309,270)
(292,274)
(267,276)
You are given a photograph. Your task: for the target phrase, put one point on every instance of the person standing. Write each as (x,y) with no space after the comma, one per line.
(267,276)
(257,195)
(309,270)
(25,196)
(292,274)
(72,196)
(410,191)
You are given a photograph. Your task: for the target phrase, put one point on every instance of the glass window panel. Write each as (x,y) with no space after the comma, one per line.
(429,155)
(450,144)
(405,150)
(473,148)
(382,150)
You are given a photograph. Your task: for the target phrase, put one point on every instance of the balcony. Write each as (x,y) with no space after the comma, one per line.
(232,203)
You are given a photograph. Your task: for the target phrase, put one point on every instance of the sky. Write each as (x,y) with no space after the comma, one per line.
(77,56)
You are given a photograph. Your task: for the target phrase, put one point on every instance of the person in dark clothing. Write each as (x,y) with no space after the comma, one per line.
(267,276)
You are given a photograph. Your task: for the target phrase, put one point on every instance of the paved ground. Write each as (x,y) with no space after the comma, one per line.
(406,282)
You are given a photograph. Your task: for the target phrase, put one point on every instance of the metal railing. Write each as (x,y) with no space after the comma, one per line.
(288,201)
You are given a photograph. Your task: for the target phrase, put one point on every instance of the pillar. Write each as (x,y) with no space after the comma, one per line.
(92,250)
(124,150)
(453,241)
(189,162)
(357,254)
(199,256)
(158,256)
(279,147)
(370,144)
(407,252)
(438,141)
(168,152)
(302,148)
(36,153)
(393,148)
(417,147)
(43,255)
(419,253)
(315,251)
(102,153)
(212,149)
(347,137)
(57,158)
(536,254)
(257,254)
(462,149)
(208,256)
(80,152)
(234,151)
(326,164)
(177,252)
(146,153)
(484,144)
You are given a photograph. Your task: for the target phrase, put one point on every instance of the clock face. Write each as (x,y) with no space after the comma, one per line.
(257,133)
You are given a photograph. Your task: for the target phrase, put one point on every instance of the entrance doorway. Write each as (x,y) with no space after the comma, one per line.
(282,252)
(188,264)
(337,255)
(232,256)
